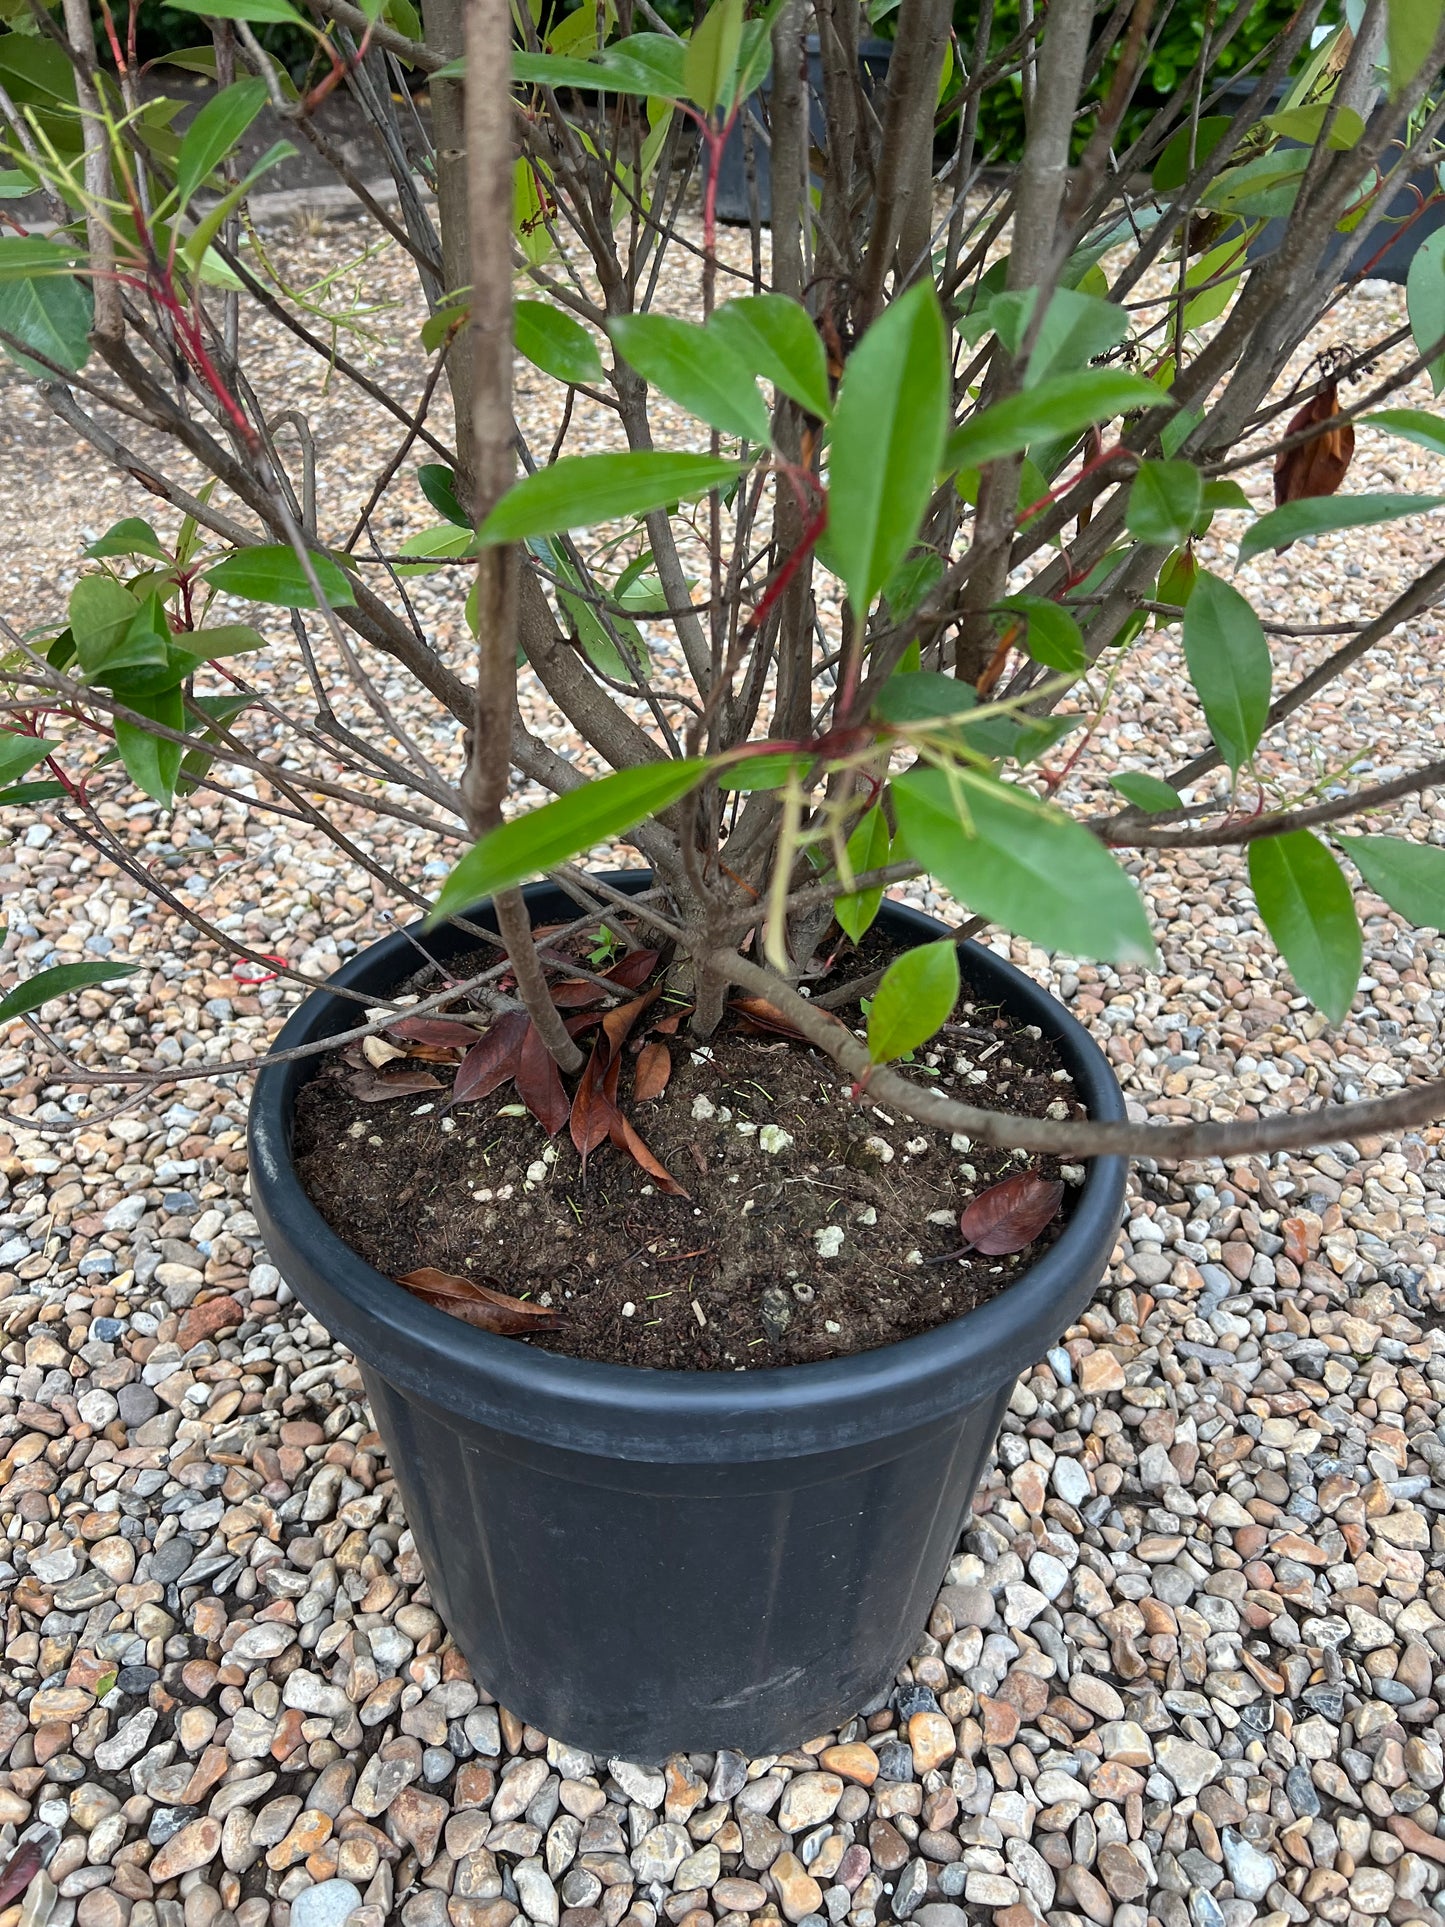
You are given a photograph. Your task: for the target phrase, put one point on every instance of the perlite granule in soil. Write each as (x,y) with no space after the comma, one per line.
(816,1225)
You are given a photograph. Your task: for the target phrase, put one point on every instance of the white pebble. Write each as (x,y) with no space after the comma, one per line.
(829,1240)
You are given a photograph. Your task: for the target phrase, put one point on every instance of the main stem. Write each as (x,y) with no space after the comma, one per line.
(489,174)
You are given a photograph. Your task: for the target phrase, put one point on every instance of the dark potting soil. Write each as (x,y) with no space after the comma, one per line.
(810,1219)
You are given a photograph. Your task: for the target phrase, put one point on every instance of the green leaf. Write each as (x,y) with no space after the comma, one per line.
(1425,304)
(911,583)
(14,185)
(627,67)
(556,342)
(1021,863)
(27,258)
(712,53)
(215,218)
(443,543)
(923,696)
(1052,637)
(888,430)
(1209,274)
(1177,430)
(1267,186)
(438,485)
(1075,328)
(450,314)
(152,763)
(19,753)
(1410,30)
(599,810)
(1229,666)
(130,536)
(776,338)
(1145,792)
(580,490)
(695,368)
(1065,405)
(273,574)
(258,12)
(225,639)
(1164,503)
(1223,493)
(1416,425)
(1409,876)
(1323,514)
(766,772)
(220,712)
(51,316)
(19,794)
(1173,168)
(1176,581)
(916,996)
(101,612)
(1307,908)
(141,661)
(58,982)
(1306,124)
(214,132)
(868,848)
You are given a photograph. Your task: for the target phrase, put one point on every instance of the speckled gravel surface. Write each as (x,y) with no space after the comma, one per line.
(1188,1664)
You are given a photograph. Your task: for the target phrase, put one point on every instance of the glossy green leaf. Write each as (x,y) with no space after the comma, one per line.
(868,848)
(30,258)
(1306,905)
(766,772)
(1021,863)
(445,543)
(915,998)
(1065,405)
(1410,30)
(50,315)
(224,639)
(911,583)
(438,485)
(142,660)
(1148,793)
(712,53)
(214,132)
(1164,503)
(1177,430)
(888,431)
(1306,124)
(1176,581)
(923,696)
(19,753)
(1409,876)
(59,981)
(1223,492)
(1416,425)
(273,574)
(1209,282)
(1182,156)
(777,339)
(605,807)
(101,612)
(556,342)
(152,762)
(1266,187)
(1051,635)
(20,795)
(1229,665)
(1425,304)
(15,185)
(579,491)
(696,368)
(1076,327)
(198,241)
(130,536)
(258,12)
(641,65)
(1324,514)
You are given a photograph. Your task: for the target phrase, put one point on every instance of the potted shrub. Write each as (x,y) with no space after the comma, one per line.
(690,1225)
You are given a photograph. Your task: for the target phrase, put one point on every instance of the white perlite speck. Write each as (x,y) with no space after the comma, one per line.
(702,1109)
(829,1240)
(773,1138)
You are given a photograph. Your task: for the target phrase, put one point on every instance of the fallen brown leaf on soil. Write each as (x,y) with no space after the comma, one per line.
(626,1139)
(539,1083)
(633,970)
(492,1059)
(758,1014)
(654,1068)
(375,1087)
(479,1305)
(1010,1215)
(443,1032)
(592,1111)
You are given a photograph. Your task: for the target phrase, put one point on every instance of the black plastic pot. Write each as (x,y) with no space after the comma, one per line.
(734,189)
(649,1562)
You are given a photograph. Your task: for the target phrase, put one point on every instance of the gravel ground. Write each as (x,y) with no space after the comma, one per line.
(1188,1664)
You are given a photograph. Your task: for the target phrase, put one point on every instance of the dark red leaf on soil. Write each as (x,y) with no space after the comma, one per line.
(626,1139)
(654,1067)
(444,1032)
(758,1014)
(539,1083)
(20,1869)
(493,1058)
(1010,1215)
(1318,466)
(592,1110)
(634,969)
(479,1305)
(574,994)
(376,1087)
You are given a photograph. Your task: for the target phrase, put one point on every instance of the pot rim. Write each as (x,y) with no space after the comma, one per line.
(642,1413)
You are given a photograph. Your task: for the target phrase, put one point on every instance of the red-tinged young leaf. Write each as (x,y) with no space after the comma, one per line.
(626,1139)
(539,1083)
(480,1305)
(1010,1215)
(654,1067)
(20,1869)
(592,1113)
(376,1087)
(444,1032)
(633,970)
(493,1058)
